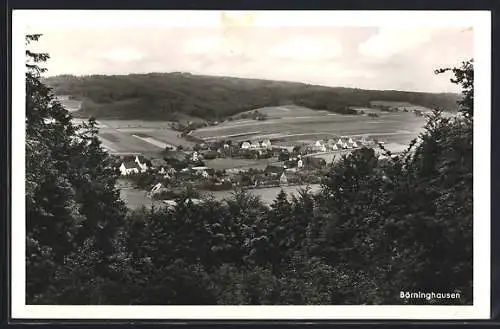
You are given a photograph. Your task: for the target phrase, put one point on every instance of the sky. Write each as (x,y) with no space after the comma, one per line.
(369,57)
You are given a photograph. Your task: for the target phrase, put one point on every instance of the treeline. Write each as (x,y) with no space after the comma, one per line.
(168,96)
(378,227)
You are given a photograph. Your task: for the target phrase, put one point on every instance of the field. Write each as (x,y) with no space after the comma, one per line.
(137,136)
(227,163)
(298,125)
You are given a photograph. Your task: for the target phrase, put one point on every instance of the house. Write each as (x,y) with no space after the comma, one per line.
(255,145)
(195,156)
(143,166)
(266,143)
(283,179)
(226,146)
(300,163)
(334,147)
(245,145)
(129,167)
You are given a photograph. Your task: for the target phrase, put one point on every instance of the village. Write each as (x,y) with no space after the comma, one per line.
(167,175)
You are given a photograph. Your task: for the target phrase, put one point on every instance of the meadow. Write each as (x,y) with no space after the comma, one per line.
(136,136)
(298,125)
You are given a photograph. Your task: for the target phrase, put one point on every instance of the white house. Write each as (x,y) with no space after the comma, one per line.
(255,145)
(266,143)
(226,146)
(129,167)
(334,147)
(318,143)
(283,179)
(194,156)
(300,164)
(245,145)
(143,166)
(350,140)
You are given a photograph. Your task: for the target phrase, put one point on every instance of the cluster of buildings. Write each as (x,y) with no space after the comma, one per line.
(342,143)
(256,145)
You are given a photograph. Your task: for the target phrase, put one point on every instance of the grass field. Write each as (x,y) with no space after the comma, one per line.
(227,163)
(287,111)
(136,136)
(401,127)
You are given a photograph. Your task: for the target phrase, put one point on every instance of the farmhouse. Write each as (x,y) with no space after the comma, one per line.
(245,145)
(266,143)
(143,166)
(129,167)
(255,145)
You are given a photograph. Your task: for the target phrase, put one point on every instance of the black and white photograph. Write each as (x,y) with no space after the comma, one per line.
(251,164)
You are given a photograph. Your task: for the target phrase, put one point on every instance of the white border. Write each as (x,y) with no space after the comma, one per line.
(479,20)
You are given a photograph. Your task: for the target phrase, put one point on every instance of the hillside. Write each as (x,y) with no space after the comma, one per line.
(166,96)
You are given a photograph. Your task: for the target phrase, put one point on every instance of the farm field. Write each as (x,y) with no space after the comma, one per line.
(227,163)
(402,127)
(287,111)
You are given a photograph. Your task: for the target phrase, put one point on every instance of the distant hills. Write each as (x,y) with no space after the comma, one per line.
(172,96)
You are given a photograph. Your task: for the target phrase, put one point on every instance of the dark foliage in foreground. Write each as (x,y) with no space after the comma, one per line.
(377,228)
(171,96)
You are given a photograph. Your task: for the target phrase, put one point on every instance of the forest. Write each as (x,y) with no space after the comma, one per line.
(172,96)
(376,228)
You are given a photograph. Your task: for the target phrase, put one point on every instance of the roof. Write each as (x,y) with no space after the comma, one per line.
(131,165)
(200,168)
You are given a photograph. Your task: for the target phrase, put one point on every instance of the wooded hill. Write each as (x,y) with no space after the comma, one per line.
(169,96)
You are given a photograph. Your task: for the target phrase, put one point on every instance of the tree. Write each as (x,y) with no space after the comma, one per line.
(71,199)
(463,76)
